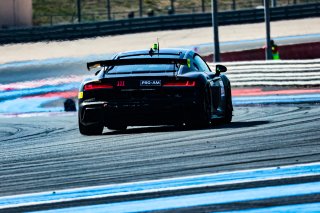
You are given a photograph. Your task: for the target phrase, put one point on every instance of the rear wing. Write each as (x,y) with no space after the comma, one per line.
(134,61)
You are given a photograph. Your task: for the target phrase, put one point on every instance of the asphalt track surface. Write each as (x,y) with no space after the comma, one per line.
(47,153)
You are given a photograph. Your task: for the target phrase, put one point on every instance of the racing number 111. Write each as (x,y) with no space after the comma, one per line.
(120,84)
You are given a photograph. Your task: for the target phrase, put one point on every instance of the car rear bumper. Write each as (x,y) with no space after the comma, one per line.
(137,112)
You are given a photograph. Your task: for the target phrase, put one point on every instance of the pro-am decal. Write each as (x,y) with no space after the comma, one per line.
(150,83)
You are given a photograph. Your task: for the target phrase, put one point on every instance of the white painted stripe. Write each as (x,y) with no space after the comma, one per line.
(276,99)
(275,70)
(275,73)
(274,78)
(202,199)
(282,68)
(189,182)
(297,208)
(279,83)
(258,74)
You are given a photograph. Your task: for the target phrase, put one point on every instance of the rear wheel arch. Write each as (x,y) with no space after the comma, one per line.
(93,129)
(203,113)
(228,98)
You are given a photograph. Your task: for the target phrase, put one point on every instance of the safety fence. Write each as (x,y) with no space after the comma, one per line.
(87,30)
(50,11)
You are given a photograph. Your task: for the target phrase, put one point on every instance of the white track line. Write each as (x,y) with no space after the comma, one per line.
(201,199)
(189,182)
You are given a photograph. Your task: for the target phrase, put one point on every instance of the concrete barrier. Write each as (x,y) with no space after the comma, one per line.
(287,52)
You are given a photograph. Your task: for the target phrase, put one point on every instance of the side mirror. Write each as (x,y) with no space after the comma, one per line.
(220,68)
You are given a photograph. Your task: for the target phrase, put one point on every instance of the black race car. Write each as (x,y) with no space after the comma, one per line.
(153,87)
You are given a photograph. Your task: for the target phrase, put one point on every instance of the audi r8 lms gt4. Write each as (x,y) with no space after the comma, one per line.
(153,87)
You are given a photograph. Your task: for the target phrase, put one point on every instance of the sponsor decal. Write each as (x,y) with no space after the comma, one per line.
(150,83)
(80,95)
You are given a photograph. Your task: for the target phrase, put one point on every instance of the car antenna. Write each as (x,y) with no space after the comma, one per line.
(158,47)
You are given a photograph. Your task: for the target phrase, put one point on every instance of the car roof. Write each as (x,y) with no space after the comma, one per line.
(169,51)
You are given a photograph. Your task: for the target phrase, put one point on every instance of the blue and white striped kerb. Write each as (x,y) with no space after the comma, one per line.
(224,197)
(190,182)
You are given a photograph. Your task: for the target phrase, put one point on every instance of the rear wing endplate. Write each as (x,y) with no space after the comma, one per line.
(134,61)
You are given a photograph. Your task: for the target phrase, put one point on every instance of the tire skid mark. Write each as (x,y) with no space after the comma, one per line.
(231,153)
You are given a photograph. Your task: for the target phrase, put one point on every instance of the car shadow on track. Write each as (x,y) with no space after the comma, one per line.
(155,129)
(240,124)
(139,130)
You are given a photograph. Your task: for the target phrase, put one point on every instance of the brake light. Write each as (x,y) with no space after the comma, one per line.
(97,86)
(180,84)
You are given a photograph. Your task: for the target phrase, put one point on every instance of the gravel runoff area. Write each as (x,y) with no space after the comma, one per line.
(171,38)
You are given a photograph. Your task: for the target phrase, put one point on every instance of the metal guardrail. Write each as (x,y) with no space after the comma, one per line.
(86,30)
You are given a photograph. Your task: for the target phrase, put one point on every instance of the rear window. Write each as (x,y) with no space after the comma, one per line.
(145,68)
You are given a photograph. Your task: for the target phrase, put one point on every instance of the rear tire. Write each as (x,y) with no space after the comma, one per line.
(228,113)
(203,117)
(93,129)
(229,107)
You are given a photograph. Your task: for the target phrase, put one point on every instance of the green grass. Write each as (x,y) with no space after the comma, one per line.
(46,12)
